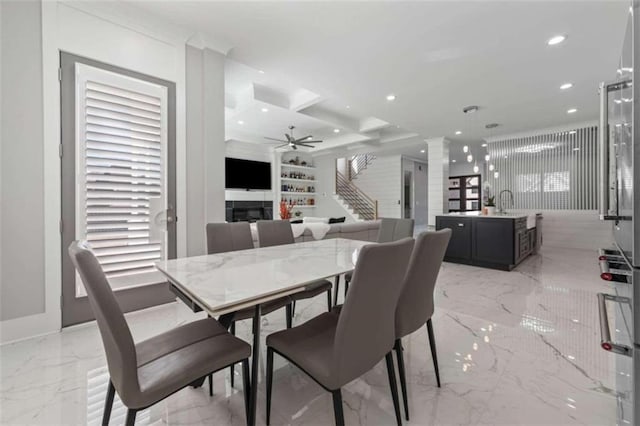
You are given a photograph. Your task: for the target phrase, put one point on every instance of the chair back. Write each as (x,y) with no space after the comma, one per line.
(116,336)
(274,233)
(415,305)
(395,229)
(365,330)
(225,237)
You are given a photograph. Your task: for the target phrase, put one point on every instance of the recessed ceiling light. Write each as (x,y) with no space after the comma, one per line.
(458,132)
(240,122)
(576,149)
(310,138)
(423,151)
(261,72)
(265,109)
(572,111)
(556,40)
(573,132)
(336,130)
(348,107)
(391,97)
(453,161)
(566,86)
(484,145)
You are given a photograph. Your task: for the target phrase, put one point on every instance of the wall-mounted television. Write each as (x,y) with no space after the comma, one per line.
(247,174)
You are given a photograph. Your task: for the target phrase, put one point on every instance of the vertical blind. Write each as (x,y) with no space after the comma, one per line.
(547,171)
(122,130)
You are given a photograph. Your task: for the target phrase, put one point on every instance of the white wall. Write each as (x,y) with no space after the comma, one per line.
(205,151)
(382,181)
(326,205)
(438,160)
(22,240)
(103,32)
(578,229)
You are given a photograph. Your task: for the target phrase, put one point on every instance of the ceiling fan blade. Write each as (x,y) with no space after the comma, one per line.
(305,145)
(311,141)
(302,139)
(280,146)
(277,140)
(289,138)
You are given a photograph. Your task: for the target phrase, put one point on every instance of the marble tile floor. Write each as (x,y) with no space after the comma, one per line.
(517,347)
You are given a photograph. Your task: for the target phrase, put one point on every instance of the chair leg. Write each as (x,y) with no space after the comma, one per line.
(246,387)
(232,370)
(131,417)
(346,289)
(337,407)
(269,382)
(336,286)
(403,377)
(108,404)
(394,387)
(434,355)
(210,384)
(289,314)
(329,300)
(293,309)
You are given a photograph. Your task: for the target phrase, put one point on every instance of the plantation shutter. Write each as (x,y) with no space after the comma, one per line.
(121,173)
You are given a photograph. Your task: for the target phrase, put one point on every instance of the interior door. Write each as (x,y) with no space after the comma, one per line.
(118,181)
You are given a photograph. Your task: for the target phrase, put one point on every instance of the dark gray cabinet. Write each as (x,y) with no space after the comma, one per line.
(460,243)
(500,243)
(493,240)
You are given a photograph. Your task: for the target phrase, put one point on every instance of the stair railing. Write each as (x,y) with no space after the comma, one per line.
(358,163)
(365,206)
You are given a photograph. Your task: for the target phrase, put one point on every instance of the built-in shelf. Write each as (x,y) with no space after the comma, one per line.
(295,206)
(298,193)
(293,166)
(297,180)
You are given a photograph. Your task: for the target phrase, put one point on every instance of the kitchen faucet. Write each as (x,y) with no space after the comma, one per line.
(500,208)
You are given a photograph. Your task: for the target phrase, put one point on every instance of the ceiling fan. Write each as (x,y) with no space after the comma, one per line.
(294,143)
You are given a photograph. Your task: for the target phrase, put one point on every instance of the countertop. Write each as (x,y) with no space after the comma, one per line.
(495,216)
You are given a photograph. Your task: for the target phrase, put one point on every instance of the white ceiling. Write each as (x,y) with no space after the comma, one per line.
(436,57)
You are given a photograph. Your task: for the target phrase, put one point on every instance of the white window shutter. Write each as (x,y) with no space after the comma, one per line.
(121,137)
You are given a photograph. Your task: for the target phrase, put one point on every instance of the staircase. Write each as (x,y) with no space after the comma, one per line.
(360,203)
(358,163)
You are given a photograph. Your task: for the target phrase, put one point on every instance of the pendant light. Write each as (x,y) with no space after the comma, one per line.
(476,169)
(491,167)
(469,158)
(465,149)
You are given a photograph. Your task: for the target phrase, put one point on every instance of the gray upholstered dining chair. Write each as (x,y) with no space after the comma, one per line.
(336,349)
(415,306)
(226,237)
(145,373)
(390,230)
(279,232)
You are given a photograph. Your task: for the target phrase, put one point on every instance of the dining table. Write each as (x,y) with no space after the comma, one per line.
(223,283)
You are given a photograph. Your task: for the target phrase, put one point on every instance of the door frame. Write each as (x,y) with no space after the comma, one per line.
(75,309)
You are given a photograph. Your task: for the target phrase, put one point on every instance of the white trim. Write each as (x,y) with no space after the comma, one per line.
(545,131)
(203,41)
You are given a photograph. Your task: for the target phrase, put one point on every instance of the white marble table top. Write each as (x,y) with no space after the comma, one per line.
(227,282)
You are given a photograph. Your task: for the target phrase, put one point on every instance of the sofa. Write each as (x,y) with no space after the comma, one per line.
(365,231)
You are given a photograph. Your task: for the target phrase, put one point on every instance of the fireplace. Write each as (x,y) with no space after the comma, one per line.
(248,211)
(247,214)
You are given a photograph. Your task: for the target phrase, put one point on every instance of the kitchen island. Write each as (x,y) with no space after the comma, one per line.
(500,241)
